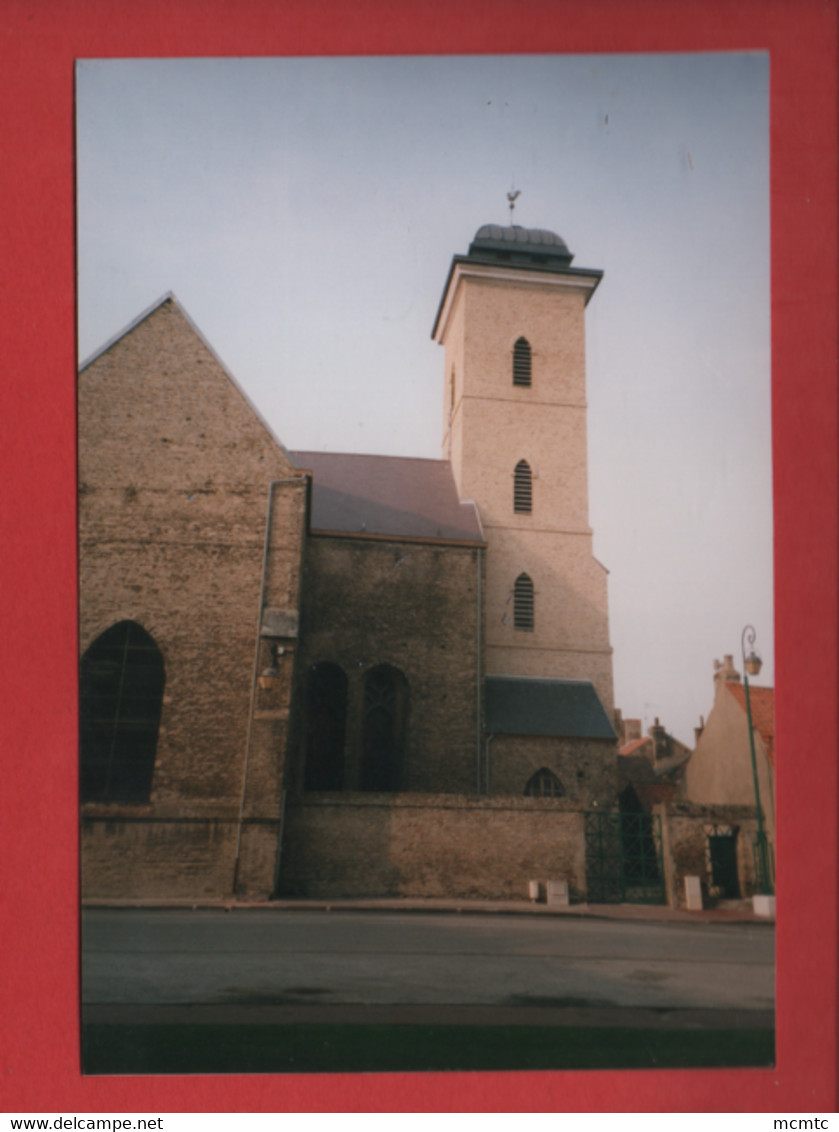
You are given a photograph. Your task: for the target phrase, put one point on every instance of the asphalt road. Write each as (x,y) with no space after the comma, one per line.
(318,961)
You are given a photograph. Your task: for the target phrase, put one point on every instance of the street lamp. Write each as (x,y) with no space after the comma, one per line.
(751,666)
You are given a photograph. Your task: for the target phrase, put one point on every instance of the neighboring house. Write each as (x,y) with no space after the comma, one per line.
(720,771)
(717,821)
(651,769)
(333,674)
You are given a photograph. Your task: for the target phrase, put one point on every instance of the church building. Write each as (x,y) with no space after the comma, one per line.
(320,674)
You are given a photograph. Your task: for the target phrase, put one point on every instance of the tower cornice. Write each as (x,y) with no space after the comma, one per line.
(465,267)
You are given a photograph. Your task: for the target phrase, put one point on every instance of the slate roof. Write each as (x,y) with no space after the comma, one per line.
(525,705)
(763,712)
(515,248)
(395,496)
(491,238)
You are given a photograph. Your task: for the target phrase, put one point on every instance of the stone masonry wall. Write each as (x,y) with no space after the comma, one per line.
(430,846)
(414,606)
(685,830)
(587,769)
(174,470)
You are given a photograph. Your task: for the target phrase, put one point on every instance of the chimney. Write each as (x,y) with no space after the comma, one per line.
(725,672)
(631,731)
(660,742)
(697,731)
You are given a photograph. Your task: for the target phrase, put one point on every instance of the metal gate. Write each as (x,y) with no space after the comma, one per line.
(623,858)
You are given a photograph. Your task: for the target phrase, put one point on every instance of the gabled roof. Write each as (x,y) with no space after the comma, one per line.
(172,300)
(762,702)
(635,745)
(645,748)
(527,705)
(169,297)
(639,764)
(388,496)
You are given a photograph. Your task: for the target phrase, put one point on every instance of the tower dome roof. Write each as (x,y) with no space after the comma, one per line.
(521,245)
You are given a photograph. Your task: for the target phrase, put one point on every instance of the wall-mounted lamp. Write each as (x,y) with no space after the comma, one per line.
(269,678)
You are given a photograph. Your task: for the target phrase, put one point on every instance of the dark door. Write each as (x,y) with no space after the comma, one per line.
(326,718)
(383,729)
(723,850)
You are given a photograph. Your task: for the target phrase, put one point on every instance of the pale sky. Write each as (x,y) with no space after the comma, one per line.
(305,212)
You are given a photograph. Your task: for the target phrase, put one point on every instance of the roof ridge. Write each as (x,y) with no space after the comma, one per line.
(537,679)
(367,455)
(129,326)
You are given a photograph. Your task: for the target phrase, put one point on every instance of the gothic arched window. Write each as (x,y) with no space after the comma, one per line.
(544,784)
(326,714)
(523,487)
(523,602)
(383,729)
(121,697)
(521,362)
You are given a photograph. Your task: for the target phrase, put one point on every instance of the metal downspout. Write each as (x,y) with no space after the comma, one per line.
(478,667)
(279,862)
(271,486)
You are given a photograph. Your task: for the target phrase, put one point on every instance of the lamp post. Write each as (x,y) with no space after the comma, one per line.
(751,667)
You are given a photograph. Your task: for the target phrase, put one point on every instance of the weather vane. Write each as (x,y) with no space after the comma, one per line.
(511,198)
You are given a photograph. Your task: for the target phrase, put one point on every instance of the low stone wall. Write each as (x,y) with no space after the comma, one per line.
(154,859)
(430,846)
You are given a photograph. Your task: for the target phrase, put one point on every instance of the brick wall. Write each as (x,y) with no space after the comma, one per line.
(495,424)
(413,606)
(587,769)
(430,846)
(686,828)
(174,471)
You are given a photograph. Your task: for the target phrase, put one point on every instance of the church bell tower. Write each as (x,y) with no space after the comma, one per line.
(512,323)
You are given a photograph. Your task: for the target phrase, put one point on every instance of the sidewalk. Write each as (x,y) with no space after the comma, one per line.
(361,1014)
(733,912)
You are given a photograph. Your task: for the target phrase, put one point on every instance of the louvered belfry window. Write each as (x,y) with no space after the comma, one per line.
(523,602)
(523,487)
(521,362)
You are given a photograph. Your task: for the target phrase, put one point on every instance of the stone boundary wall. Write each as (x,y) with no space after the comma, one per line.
(685,828)
(158,859)
(430,846)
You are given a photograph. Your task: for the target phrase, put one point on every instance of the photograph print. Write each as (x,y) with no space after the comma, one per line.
(425,563)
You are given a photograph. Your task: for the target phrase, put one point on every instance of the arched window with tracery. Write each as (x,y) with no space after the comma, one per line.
(121,697)
(521,362)
(384,727)
(523,488)
(523,613)
(544,784)
(326,718)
